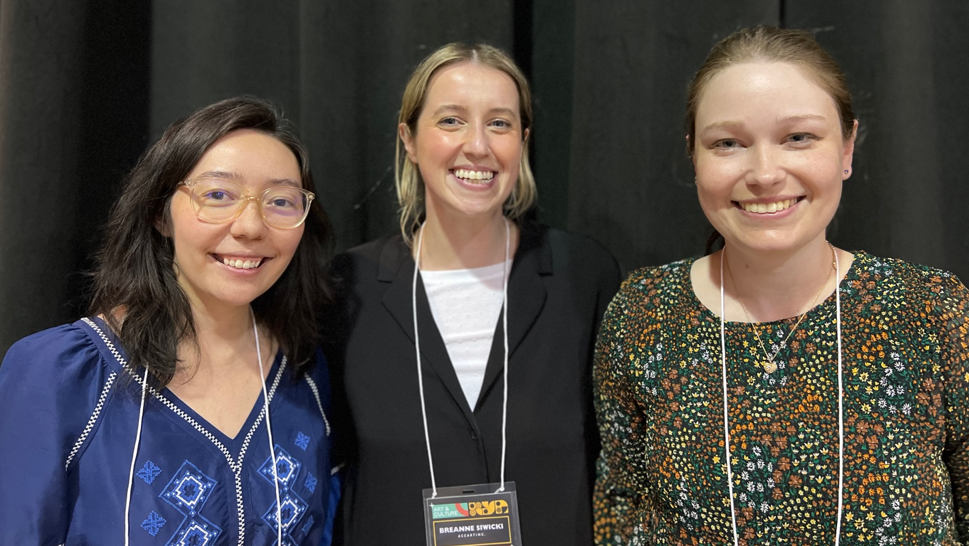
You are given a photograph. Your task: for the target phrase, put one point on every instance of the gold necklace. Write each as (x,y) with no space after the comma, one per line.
(769,365)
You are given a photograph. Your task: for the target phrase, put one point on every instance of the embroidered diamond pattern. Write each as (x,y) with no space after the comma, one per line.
(310,482)
(153,523)
(286,468)
(196,533)
(149,472)
(292,509)
(291,506)
(187,491)
(302,441)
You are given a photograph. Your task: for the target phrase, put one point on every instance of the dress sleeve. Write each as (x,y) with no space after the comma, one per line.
(620,492)
(953,307)
(49,386)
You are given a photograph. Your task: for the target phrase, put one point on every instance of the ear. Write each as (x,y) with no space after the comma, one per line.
(848,152)
(689,152)
(525,136)
(163,226)
(408,139)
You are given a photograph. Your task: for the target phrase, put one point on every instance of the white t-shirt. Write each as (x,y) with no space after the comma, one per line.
(466,305)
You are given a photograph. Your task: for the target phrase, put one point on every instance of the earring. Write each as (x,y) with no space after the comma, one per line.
(846,171)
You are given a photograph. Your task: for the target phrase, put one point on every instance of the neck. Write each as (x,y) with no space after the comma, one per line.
(223,338)
(465,243)
(774,287)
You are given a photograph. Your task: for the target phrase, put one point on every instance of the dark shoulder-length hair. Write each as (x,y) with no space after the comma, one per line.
(135,287)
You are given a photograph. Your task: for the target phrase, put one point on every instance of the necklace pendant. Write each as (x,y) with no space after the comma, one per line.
(768,366)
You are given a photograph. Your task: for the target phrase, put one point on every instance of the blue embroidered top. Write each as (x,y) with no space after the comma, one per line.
(68,421)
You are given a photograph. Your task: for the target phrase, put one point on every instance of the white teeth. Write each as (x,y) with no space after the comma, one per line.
(765,208)
(467,174)
(242,264)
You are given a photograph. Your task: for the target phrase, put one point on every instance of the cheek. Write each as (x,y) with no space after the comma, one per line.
(289,242)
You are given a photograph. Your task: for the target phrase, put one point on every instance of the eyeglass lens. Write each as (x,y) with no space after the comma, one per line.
(219,200)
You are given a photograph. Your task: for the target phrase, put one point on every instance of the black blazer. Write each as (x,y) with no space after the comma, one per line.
(559,288)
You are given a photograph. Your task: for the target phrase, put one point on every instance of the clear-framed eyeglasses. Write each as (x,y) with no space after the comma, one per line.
(217,201)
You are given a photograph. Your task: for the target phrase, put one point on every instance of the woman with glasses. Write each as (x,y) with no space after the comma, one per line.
(191,406)
(467,354)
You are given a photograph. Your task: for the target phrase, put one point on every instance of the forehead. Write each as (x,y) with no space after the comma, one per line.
(774,87)
(469,84)
(249,156)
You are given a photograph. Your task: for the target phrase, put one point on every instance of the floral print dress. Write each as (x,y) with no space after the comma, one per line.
(659,401)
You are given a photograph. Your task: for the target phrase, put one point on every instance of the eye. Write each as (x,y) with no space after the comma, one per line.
(726,144)
(448,122)
(283,201)
(216,193)
(801,138)
(501,124)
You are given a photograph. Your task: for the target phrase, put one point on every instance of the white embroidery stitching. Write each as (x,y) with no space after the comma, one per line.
(92,420)
(235,466)
(316,393)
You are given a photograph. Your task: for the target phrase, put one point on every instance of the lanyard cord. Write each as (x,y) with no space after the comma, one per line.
(269,431)
(841,433)
(134,457)
(417,350)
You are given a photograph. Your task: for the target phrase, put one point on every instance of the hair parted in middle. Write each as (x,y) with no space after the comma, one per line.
(772,44)
(136,289)
(410,185)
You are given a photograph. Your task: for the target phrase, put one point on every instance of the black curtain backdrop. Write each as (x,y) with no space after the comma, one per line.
(85,86)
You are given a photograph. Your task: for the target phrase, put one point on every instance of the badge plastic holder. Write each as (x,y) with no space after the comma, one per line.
(472,515)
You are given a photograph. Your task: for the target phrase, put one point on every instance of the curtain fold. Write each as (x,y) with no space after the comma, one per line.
(85,86)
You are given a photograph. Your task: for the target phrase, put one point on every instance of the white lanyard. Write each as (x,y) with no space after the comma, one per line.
(841,433)
(417,350)
(269,431)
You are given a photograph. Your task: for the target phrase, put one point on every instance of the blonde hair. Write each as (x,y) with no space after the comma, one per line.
(410,185)
(765,43)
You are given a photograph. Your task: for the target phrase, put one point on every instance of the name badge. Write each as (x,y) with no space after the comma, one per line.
(472,515)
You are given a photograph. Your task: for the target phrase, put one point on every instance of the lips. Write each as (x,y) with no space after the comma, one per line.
(474,176)
(769,207)
(247,262)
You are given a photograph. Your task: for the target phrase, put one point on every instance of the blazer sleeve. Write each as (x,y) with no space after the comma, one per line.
(50,385)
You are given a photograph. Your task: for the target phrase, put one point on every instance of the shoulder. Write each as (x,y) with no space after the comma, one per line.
(672,279)
(898,279)
(56,380)
(572,251)
(66,354)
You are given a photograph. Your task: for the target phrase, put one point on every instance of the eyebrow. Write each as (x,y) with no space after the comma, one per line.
(235,177)
(732,124)
(461,109)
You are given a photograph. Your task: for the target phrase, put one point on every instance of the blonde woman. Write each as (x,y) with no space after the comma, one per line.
(515,408)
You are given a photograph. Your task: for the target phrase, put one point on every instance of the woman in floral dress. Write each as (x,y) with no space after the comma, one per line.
(781,390)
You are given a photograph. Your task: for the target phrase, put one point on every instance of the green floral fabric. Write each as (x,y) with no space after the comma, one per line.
(659,401)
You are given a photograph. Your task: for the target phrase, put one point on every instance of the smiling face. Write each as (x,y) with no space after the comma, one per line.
(468,141)
(231,264)
(769,156)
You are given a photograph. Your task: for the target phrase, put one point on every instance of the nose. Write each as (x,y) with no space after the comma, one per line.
(249,223)
(765,168)
(476,144)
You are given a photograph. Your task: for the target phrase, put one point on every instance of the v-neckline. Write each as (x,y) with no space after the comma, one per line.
(232,447)
(234,443)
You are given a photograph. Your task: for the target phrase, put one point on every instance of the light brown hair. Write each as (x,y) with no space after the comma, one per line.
(766,43)
(410,185)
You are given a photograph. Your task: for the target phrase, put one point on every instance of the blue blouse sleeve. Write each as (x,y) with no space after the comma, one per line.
(50,386)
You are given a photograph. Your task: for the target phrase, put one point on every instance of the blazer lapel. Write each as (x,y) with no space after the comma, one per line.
(526,298)
(397,269)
